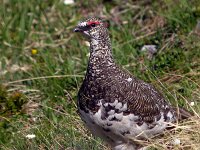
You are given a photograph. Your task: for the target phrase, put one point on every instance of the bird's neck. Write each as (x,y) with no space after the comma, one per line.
(100,54)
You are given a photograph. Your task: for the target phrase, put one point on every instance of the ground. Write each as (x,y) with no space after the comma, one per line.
(42,64)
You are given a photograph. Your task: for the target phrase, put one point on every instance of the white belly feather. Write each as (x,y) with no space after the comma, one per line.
(116,132)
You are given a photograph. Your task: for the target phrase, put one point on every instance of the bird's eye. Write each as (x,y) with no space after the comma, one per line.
(93,25)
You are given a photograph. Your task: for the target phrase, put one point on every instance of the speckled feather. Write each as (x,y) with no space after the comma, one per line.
(114,104)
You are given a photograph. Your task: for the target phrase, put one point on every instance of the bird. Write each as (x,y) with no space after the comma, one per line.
(115,105)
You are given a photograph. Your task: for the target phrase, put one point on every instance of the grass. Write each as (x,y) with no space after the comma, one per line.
(44,62)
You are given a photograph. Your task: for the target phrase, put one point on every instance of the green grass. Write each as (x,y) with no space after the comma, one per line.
(49,80)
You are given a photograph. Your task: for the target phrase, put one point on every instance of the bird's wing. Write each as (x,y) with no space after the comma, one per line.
(142,99)
(145,101)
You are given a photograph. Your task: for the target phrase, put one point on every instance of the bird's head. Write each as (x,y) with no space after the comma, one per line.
(93,28)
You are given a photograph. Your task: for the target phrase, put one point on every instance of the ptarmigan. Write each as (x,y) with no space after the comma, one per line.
(115,105)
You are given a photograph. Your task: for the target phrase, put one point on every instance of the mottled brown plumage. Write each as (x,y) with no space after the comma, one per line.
(114,104)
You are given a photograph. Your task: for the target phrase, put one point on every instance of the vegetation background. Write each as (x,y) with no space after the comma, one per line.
(42,64)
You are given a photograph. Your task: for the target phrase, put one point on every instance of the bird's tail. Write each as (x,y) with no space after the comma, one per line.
(182,113)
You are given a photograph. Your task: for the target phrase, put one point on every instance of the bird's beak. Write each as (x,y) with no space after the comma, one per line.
(77,29)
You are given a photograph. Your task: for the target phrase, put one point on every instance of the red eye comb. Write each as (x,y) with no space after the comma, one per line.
(93,22)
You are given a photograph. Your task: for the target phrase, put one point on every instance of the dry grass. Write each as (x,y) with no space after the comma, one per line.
(185,136)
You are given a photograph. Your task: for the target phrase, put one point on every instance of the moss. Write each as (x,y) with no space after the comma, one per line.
(11,104)
(15,102)
(3,94)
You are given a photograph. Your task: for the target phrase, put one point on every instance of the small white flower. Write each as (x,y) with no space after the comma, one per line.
(176,141)
(87,43)
(192,104)
(125,22)
(34,119)
(88,54)
(30,136)
(68,2)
